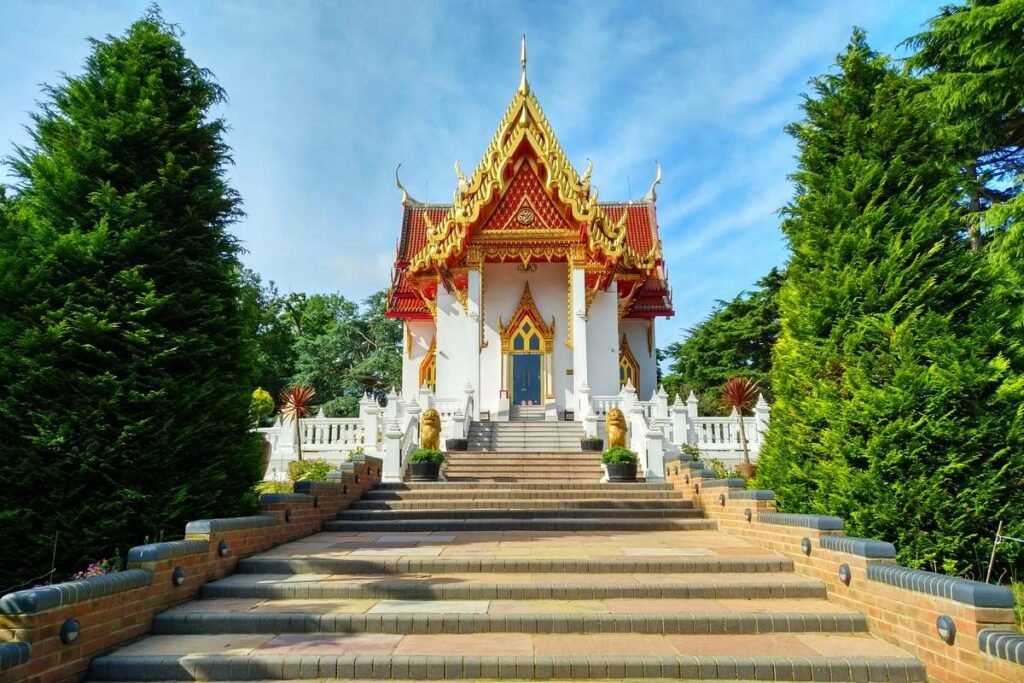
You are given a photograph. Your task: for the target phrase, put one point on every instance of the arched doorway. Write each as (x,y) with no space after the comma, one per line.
(526,351)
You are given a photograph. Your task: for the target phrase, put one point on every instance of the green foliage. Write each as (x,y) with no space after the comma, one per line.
(896,392)
(261,405)
(690,450)
(275,487)
(1018,593)
(426,455)
(619,455)
(591,440)
(736,339)
(309,470)
(271,332)
(719,468)
(124,369)
(970,58)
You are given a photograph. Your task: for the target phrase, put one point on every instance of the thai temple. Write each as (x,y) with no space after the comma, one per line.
(527,289)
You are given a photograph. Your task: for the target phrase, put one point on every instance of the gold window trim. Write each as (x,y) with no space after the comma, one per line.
(527,313)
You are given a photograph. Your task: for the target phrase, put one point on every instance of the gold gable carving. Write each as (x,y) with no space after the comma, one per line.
(527,309)
(523,130)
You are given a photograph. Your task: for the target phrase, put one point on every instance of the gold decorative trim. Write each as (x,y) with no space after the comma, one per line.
(569,322)
(626,357)
(428,366)
(483,312)
(650,337)
(408,340)
(527,308)
(524,122)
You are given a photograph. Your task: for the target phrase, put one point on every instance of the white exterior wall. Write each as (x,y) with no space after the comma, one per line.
(636,334)
(603,344)
(422,333)
(503,288)
(458,350)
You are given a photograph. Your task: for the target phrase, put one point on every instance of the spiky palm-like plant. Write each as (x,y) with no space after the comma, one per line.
(297,403)
(739,393)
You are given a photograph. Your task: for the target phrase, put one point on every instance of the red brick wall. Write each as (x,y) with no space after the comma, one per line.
(125,615)
(900,616)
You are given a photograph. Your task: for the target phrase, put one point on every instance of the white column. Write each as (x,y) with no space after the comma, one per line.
(392,467)
(655,465)
(762,417)
(472,343)
(579,338)
(680,425)
(661,404)
(691,407)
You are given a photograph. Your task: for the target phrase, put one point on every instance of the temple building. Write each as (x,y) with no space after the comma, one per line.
(526,290)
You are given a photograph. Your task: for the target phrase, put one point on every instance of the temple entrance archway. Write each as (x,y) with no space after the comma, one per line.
(527,345)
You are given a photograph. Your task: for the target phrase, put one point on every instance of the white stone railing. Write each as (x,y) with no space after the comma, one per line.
(657,429)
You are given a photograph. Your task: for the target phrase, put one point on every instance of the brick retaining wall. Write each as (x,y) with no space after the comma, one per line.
(117,608)
(902,606)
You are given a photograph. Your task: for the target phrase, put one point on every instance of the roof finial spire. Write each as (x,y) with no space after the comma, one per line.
(524,87)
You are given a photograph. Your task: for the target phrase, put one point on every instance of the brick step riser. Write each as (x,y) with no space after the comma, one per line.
(484,479)
(212,623)
(421,525)
(505,495)
(434,565)
(503,667)
(478,504)
(382,590)
(465,512)
(512,486)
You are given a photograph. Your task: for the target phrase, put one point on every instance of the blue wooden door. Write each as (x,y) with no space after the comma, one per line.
(526,378)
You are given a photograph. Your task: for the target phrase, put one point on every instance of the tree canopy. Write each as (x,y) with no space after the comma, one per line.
(735,340)
(896,390)
(125,377)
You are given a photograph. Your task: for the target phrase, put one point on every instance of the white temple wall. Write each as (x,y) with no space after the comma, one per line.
(636,334)
(422,334)
(456,357)
(503,285)
(603,344)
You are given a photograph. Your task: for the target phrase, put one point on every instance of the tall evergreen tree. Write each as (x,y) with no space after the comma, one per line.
(735,340)
(125,383)
(896,406)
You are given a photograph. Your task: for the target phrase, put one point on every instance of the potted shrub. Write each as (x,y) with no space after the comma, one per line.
(425,464)
(456,444)
(620,463)
(592,443)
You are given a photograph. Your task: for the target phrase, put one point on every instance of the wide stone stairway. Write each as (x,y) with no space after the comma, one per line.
(521,580)
(525,435)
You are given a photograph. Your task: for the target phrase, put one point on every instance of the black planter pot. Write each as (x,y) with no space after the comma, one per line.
(456,444)
(596,446)
(621,471)
(424,471)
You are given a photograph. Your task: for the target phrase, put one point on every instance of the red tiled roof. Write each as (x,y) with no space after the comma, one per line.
(641,228)
(414,229)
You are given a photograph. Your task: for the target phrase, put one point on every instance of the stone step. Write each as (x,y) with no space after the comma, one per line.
(507,657)
(534,486)
(354,564)
(468,513)
(528,504)
(394,620)
(526,477)
(514,586)
(639,492)
(507,524)
(529,455)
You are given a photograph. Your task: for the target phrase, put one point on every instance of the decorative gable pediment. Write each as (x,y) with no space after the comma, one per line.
(526,206)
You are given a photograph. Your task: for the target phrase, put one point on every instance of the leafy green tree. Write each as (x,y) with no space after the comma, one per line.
(970,56)
(896,392)
(125,369)
(272,333)
(735,340)
(358,351)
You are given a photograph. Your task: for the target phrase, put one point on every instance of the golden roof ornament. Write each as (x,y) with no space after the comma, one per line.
(406,198)
(524,86)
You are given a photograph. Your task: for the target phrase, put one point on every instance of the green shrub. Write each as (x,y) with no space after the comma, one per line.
(308,470)
(588,440)
(620,455)
(274,487)
(719,468)
(261,406)
(690,450)
(426,455)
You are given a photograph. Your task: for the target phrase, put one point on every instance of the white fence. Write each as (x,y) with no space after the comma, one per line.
(656,429)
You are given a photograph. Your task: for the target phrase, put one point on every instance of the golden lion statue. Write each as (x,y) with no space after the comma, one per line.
(615,428)
(430,430)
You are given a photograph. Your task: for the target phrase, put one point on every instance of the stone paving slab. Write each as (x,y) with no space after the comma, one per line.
(498,644)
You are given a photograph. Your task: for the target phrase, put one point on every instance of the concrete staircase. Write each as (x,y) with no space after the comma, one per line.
(525,435)
(484,580)
(526,413)
(524,466)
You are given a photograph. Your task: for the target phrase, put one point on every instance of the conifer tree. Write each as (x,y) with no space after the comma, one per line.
(895,400)
(124,388)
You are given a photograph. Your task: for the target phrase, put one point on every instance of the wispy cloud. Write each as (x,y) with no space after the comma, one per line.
(326,98)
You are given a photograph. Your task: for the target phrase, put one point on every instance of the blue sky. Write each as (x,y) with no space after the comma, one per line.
(326,98)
